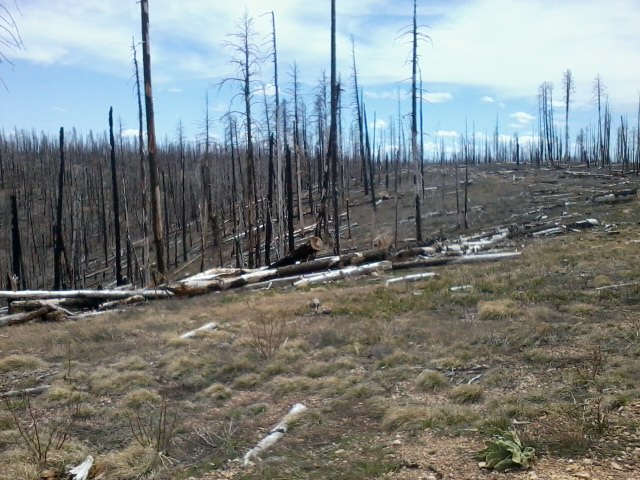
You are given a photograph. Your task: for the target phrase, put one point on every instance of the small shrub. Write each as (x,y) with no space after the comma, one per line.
(153,426)
(40,434)
(267,334)
(464,394)
(431,380)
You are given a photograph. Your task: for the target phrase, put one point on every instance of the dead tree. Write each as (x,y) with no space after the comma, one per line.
(116,201)
(247,60)
(143,174)
(333,134)
(16,244)
(568,89)
(598,92)
(360,121)
(151,141)
(58,240)
(9,36)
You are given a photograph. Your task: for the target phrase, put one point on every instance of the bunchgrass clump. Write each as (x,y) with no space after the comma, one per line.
(497,310)
(464,394)
(431,380)
(21,363)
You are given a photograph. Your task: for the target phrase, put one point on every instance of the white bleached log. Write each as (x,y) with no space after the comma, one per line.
(93,294)
(81,472)
(343,273)
(276,433)
(26,391)
(125,301)
(411,278)
(209,327)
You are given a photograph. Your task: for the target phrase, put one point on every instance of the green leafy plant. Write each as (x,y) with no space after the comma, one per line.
(506,451)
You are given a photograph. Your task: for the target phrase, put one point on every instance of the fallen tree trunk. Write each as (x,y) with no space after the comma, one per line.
(26,391)
(84,294)
(411,278)
(209,327)
(23,306)
(439,261)
(81,472)
(25,317)
(125,301)
(275,434)
(343,273)
(199,285)
(311,247)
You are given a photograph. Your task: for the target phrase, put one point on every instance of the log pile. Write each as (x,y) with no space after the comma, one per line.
(296,270)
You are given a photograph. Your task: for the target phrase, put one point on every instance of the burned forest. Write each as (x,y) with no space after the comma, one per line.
(327,273)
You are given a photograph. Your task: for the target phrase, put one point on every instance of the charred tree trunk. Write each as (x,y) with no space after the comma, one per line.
(151,142)
(58,240)
(16,245)
(116,201)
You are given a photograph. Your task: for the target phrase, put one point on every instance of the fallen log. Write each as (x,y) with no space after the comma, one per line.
(411,278)
(22,306)
(200,285)
(275,434)
(302,253)
(84,294)
(209,327)
(439,261)
(343,273)
(81,472)
(25,317)
(26,391)
(125,301)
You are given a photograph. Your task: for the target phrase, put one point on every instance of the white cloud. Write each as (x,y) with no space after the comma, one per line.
(507,47)
(386,94)
(174,90)
(380,124)
(487,99)
(130,133)
(522,118)
(435,98)
(447,134)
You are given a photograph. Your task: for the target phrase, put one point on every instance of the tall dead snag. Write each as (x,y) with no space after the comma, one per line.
(247,61)
(414,122)
(143,175)
(58,241)
(568,89)
(598,93)
(16,245)
(333,134)
(156,216)
(297,147)
(116,201)
(360,121)
(278,147)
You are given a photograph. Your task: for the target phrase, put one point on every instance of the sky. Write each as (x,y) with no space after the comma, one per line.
(483,63)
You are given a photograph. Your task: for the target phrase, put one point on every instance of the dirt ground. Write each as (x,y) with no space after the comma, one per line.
(400,382)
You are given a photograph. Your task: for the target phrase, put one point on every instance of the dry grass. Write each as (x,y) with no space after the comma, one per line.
(497,310)
(21,363)
(464,394)
(377,361)
(430,380)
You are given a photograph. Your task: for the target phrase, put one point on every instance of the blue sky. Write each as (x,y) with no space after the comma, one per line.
(486,59)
